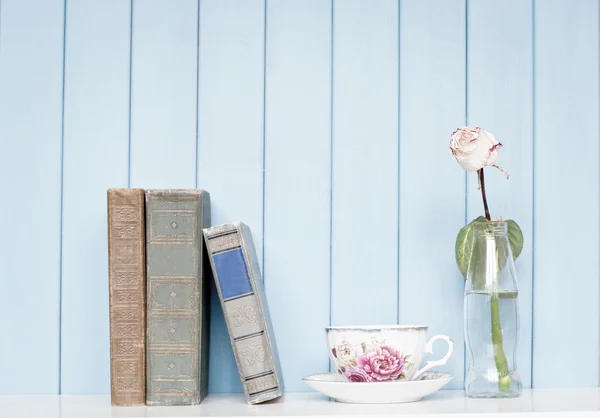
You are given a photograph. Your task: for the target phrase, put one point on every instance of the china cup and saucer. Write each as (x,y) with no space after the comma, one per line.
(380,364)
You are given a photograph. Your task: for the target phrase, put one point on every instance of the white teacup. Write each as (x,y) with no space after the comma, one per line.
(382,353)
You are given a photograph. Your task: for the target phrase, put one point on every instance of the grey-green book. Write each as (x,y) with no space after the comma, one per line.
(241,292)
(177,297)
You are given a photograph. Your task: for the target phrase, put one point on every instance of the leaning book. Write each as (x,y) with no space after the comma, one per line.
(177,297)
(126,272)
(241,292)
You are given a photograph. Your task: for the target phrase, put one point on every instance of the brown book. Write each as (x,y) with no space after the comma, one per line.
(127,290)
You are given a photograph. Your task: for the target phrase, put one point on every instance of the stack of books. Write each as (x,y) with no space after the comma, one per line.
(163,255)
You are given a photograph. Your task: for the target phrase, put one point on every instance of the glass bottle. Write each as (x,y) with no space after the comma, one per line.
(491,315)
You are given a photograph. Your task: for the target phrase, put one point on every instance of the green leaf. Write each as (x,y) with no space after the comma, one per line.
(515,238)
(466,238)
(464,245)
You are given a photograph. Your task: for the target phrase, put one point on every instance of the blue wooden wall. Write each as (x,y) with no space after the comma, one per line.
(324,125)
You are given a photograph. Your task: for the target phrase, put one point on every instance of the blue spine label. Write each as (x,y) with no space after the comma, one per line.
(232,273)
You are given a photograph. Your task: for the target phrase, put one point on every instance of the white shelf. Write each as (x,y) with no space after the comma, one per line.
(444,404)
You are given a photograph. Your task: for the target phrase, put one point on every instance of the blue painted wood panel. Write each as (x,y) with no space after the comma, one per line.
(364,281)
(31,71)
(163,93)
(96,157)
(566,247)
(230,140)
(432,104)
(500,100)
(297,182)
(323,125)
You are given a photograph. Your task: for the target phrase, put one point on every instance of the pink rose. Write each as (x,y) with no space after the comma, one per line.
(382,363)
(357,374)
(473,148)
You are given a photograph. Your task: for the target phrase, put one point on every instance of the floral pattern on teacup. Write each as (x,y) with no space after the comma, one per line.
(345,353)
(373,361)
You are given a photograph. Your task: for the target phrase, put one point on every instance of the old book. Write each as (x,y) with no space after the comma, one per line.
(178,297)
(127,296)
(240,287)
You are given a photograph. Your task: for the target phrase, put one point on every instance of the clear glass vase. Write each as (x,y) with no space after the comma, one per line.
(491,315)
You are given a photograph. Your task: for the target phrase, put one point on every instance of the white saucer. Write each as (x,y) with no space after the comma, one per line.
(336,387)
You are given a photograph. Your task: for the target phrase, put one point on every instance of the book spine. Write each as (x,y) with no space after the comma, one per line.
(127,294)
(240,288)
(177,303)
(205,294)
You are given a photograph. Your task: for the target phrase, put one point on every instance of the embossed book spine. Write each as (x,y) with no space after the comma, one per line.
(241,291)
(127,296)
(178,292)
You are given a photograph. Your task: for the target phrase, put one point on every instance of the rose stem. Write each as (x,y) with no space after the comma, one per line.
(485,205)
(504,377)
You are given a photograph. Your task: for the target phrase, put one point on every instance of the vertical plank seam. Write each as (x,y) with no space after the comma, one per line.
(466,124)
(197,86)
(598,95)
(533,147)
(331,130)
(130,92)
(264,143)
(398,179)
(62,187)
(466,93)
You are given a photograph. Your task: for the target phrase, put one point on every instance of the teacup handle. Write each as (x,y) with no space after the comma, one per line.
(429,350)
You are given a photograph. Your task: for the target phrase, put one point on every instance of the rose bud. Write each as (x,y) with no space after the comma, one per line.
(473,148)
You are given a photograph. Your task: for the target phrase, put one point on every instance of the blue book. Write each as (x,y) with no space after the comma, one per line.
(240,287)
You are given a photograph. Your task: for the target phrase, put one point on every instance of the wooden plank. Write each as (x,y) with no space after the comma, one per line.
(31,72)
(432,105)
(230,147)
(163,94)
(96,156)
(566,247)
(500,100)
(297,180)
(365,163)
